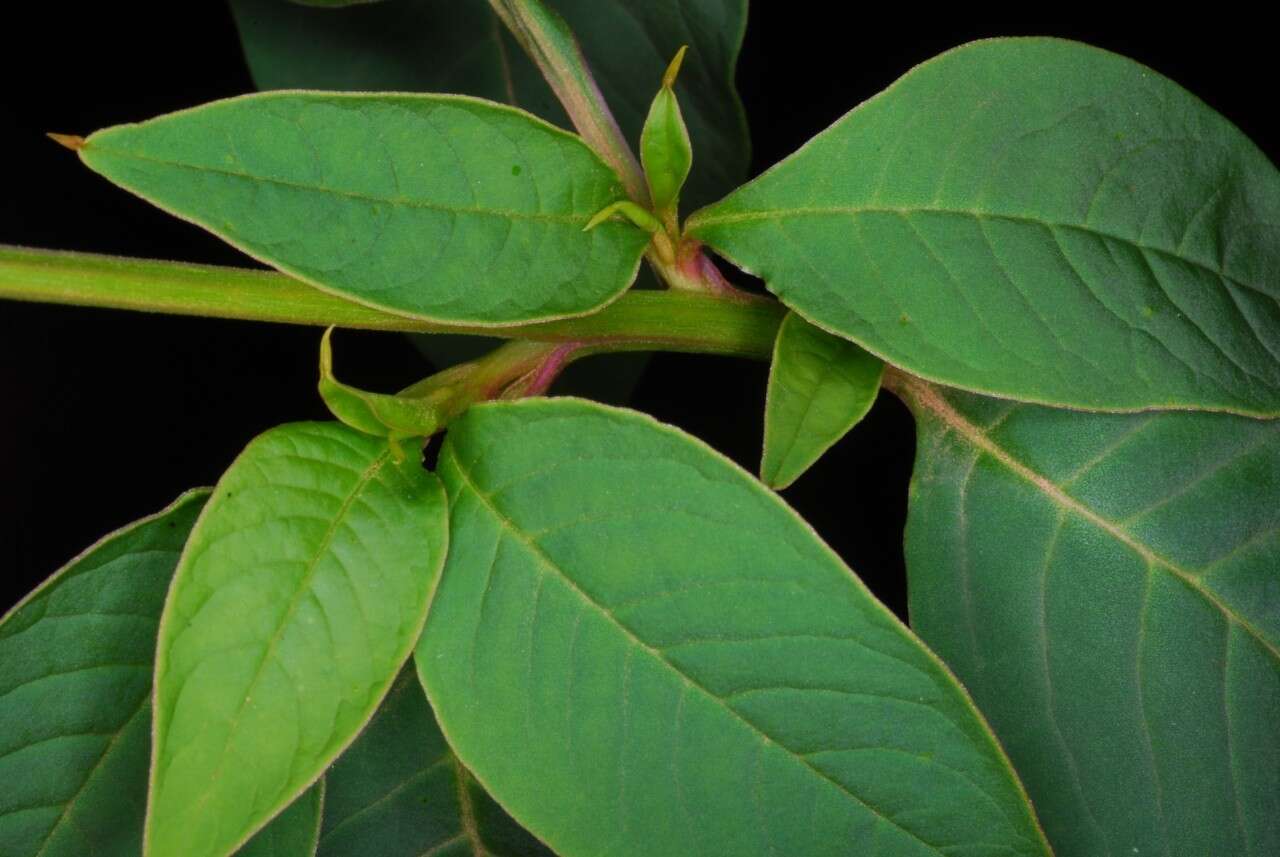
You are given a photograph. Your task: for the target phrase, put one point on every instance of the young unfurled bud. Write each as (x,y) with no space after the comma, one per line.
(665,150)
(393,417)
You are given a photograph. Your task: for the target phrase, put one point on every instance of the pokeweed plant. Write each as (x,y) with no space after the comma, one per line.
(585,632)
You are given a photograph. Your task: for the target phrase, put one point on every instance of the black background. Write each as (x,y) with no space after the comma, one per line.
(106,416)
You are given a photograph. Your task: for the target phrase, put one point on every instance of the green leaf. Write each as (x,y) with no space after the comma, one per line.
(820,386)
(379,414)
(79,651)
(437,207)
(294,832)
(75,682)
(1036,219)
(399,791)
(1107,586)
(638,649)
(459,46)
(298,597)
(665,149)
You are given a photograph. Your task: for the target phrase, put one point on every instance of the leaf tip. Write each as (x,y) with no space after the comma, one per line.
(669,77)
(73,142)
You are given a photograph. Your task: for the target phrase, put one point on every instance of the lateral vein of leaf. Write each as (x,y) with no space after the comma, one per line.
(543,559)
(407,202)
(926,396)
(906,211)
(391,793)
(106,752)
(365,478)
(467,812)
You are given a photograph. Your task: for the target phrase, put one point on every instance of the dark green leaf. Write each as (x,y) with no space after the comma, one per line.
(820,386)
(1036,219)
(298,597)
(75,682)
(294,832)
(459,46)
(639,650)
(1108,586)
(399,791)
(437,207)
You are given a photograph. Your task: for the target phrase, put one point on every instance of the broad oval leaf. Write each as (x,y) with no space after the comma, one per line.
(399,791)
(78,651)
(75,688)
(433,206)
(639,649)
(1108,587)
(820,386)
(298,597)
(1036,219)
(460,46)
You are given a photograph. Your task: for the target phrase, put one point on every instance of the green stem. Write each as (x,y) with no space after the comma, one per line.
(637,321)
(549,42)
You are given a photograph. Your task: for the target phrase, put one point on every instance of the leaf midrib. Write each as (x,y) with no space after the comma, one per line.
(925,395)
(514,530)
(402,201)
(696,223)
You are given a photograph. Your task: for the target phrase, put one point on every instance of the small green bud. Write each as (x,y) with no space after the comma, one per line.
(665,149)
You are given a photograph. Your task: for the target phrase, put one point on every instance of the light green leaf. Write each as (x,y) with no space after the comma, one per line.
(438,207)
(379,414)
(75,682)
(665,149)
(399,791)
(298,597)
(294,832)
(1107,586)
(638,650)
(820,386)
(79,651)
(459,46)
(1036,219)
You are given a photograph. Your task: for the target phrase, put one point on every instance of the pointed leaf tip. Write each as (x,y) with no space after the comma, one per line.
(73,142)
(669,77)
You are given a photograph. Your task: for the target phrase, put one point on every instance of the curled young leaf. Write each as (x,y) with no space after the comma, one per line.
(379,414)
(665,150)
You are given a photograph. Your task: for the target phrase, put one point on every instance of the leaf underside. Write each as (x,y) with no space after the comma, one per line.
(820,386)
(1036,219)
(399,791)
(638,649)
(437,207)
(1106,587)
(298,597)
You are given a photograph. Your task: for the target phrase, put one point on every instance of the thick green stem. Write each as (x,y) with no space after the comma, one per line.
(637,321)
